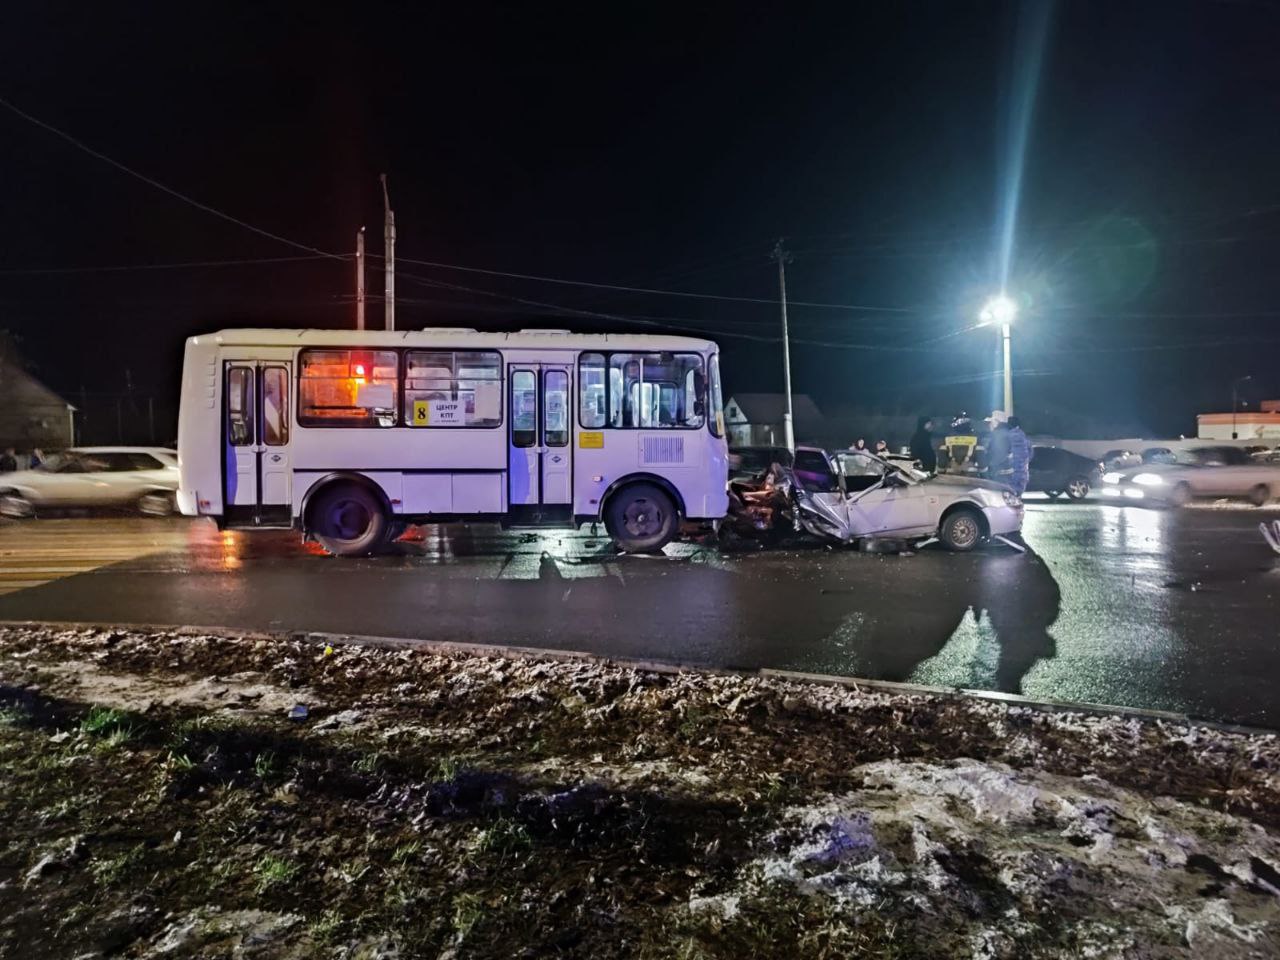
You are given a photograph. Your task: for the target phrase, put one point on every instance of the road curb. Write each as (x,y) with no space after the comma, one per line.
(670,667)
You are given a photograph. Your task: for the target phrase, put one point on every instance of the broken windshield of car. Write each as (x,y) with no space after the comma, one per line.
(861,471)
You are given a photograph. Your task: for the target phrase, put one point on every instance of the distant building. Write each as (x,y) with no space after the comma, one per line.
(32,415)
(756,419)
(1260,424)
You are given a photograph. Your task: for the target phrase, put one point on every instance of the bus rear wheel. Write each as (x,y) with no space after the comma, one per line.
(348,521)
(641,518)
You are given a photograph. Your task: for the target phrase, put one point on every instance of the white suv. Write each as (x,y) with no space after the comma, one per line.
(140,478)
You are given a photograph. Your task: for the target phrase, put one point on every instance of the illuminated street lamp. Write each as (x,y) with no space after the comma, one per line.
(1002,310)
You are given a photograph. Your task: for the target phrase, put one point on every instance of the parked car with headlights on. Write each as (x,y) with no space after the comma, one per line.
(854,495)
(1201,472)
(143,479)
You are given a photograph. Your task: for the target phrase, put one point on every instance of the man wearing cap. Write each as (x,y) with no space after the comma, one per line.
(998,446)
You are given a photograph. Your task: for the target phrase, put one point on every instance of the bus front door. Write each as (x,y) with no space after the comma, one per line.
(257,470)
(540,456)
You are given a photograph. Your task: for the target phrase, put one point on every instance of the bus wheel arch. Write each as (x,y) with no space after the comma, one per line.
(642,512)
(346,513)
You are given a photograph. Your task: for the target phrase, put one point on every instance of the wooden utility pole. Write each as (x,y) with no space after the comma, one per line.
(389,255)
(360,279)
(788,430)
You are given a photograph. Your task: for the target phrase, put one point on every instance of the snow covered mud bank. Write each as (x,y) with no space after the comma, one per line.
(174,795)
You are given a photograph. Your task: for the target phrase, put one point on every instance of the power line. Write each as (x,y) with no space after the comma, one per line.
(160,186)
(190,264)
(646,290)
(668,323)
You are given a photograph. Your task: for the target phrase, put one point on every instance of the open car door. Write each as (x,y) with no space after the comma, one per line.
(883,500)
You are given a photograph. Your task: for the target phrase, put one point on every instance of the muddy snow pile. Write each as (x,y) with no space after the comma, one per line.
(980,847)
(186,794)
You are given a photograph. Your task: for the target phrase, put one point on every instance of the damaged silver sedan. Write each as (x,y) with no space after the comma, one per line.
(852,496)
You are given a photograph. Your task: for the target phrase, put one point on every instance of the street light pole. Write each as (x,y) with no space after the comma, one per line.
(1002,310)
(783,259)
(1235,403)
(388,257)
(1008,370)
(360,279)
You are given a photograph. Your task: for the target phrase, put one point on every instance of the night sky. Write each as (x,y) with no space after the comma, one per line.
(668,146)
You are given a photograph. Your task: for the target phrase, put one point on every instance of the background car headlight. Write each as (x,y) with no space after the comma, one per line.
(1149,480)
(1112,477)
(1011,499)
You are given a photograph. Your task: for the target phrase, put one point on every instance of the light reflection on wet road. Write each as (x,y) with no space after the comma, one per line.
(1123,605)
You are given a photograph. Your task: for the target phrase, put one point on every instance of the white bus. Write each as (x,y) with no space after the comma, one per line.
(349,436)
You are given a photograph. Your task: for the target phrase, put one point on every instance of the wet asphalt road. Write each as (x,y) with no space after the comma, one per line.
(1119,605)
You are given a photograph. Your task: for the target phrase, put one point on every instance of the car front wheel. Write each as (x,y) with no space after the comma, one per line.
(16,507)
(1180,496)
(1078,488)
(961,531)
(1259,495)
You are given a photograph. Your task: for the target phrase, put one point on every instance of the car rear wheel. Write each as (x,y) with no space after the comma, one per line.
(1078,488)
(1053,494)
(1259,495)
(348,521)
(1180,496)
(156,503)
(641,518)
(961,531)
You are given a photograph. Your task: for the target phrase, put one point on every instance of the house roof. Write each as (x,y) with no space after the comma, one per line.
(15,370)
(770,407)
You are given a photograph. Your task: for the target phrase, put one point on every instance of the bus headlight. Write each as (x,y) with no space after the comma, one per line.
(1149,480)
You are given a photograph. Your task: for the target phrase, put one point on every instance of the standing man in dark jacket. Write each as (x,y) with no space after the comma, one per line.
(922,451)
(1019,457)
(997,447)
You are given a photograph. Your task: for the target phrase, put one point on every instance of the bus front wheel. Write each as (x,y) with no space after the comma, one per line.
(348,521)
(641,518)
